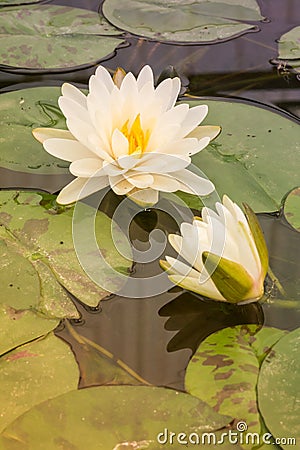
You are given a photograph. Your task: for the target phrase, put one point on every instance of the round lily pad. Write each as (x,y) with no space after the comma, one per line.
(289,50)
(183,20)
(32,373)
(278,390)
(112,417)
(20,112)
(291,208)
(54,37)
(246,160)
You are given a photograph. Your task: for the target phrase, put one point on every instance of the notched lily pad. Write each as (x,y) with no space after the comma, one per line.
(19,327)
(246,160)
(54,37)
(183,20)
(33,373)
(39,259)
(278,389)
(291,208)
(223,372)
(108,416)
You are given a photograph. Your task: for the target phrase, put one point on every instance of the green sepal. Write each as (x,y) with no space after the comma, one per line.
(258,237)
(230,278)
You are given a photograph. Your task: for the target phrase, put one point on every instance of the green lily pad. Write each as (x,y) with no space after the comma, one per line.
(246,160)
(291,208)
(19,327)
(20,112)
(38,255)
(183,20)
(107,416)
(289,48)
(33,373)
(54,37)
(278,389)
(223,372)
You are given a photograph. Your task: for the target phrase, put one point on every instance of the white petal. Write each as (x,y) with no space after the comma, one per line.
(161,163)
(187,146)
(176,242)
(145,76)
(182,268)
(207,289)
(192,183)
(145,197)
(112,169)
(85,168)
(194,117)
(165,183)
(176,86)
(81,130)
(104,76)
(120,185)
(205,131)
(143,180)
(70,108)
(67,149)
(120,145)
(81,188)
(42,134)
(72,92)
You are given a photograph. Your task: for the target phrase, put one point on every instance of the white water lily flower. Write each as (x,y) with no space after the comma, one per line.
(128,135)
(225,252)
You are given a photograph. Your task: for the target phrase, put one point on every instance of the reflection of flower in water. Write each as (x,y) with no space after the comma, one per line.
(127,134)
(226,254)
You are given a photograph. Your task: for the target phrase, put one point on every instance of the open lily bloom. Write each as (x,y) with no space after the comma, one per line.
(129,135)
(225,255)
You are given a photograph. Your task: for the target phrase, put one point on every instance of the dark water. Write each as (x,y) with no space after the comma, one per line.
(156,336)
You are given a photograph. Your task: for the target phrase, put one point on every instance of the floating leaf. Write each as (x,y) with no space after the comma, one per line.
(278,389)
(289,48)
(107,416)
(291,208)
(223,372)
(35,372)
(19,327)
(247,161)
(97,365)
(38,253)
(54,37)
(20,112)
(183,20)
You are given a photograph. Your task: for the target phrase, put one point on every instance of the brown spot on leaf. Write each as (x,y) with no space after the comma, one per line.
(249,368)
(5,218)
(224,375)
(20,355)
(35,227)
(216,360)
(229,391)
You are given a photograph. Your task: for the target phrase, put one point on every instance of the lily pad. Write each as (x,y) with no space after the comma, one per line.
(223,372)
(247,161)
(20,112)
(20,327)
(291,208)
(278,389)
(33,373)
(289,48)
(54,37)
(40,258)
(183,20)
(108,416)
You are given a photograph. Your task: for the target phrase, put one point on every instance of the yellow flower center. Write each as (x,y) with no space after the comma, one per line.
(137,138)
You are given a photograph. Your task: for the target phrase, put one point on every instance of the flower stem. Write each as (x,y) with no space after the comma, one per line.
(276,282)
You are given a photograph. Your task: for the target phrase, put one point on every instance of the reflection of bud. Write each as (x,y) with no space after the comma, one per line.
(226,254)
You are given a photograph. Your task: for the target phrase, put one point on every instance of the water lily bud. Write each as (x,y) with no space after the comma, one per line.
(222,256)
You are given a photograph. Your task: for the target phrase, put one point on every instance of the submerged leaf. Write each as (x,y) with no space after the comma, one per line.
(33,373)
(54,37)
(278,389)
(107,416)
(183,20)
